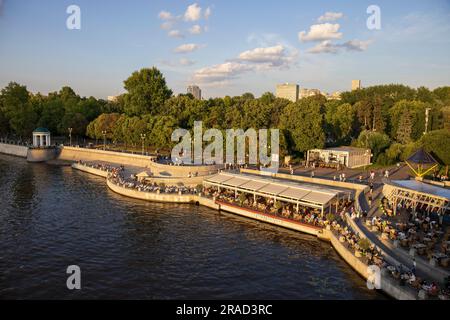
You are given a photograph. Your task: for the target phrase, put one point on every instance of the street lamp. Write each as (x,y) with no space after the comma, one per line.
(70,136)
(104,139)
(143,135)
(427,114)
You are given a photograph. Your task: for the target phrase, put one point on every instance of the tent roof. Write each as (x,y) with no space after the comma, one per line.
(421,157)
(424,188)
(297,191)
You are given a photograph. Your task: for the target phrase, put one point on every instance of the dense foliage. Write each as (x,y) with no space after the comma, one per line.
(389,119)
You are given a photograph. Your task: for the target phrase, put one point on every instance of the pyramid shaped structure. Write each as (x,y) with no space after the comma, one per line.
(421,162)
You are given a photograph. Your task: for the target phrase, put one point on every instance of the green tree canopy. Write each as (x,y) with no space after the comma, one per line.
(302,123)
(438,144)
(147,92)
(376,141)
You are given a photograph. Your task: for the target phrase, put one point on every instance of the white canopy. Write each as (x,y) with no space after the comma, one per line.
(424,188)
(305,193)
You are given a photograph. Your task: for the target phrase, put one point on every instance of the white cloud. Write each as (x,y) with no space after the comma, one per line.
(207,13)
(186,62)
(221,72)
(328,47)
(186,48)
(176,34)
(193,12)
(324,47)
(330,16)
(183,62)
(270,56)
(356,45)
(196,29)
(167,25)
(320,32)
(165,15)
(258,59)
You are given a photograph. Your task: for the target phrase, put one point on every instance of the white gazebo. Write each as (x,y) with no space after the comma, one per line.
(41,138)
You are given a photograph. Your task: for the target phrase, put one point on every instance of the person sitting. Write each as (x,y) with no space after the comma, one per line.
(433,290)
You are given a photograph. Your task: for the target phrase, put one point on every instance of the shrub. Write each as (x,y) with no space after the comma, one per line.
(364,244)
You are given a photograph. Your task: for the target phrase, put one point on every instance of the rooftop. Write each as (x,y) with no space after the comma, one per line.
(423,188)
(307,193)
(41,130)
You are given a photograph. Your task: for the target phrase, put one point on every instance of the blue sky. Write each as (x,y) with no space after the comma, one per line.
(231,48)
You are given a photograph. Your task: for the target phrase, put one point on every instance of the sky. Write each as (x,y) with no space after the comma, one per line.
(227,47)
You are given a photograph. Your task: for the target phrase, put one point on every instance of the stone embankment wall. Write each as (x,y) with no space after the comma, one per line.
(14,150)
(41,154)
(165,170)
(85,154)
(90,170)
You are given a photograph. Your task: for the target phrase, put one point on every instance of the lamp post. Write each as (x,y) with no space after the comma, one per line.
(427,113)
(70,136)
(143,135)
(104,139)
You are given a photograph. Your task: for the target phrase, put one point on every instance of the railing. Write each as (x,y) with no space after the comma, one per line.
(15,142)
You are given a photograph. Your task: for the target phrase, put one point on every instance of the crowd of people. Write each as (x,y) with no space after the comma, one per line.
(369,252)
(132,182)
(440,177)
(270,206)
(420,231)
(101,166)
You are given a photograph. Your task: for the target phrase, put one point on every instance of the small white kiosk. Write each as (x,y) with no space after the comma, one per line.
(41,138)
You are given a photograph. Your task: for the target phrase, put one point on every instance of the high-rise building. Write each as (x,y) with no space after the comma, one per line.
(356,84)
(287,91)
(113,98)
(195,91)
(304,93)
(334,96)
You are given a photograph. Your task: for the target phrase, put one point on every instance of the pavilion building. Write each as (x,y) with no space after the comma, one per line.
(41,138)
(313,196)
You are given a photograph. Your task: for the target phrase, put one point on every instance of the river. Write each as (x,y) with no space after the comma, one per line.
(52,217)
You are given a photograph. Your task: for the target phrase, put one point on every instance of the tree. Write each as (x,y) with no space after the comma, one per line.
(17,109)
(147,92)
(340,121)
(405,128)
(162,129)
(248,96)
(376,141)
(437,143)
(302,124)
(446,117)
(414,111)
(51,114)
(105,122)
(4,123)
(364,112)
(76,121)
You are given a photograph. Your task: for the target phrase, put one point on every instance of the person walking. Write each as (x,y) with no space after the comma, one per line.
(414,266)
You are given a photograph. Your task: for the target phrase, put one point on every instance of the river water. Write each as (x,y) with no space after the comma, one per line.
(52,217)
